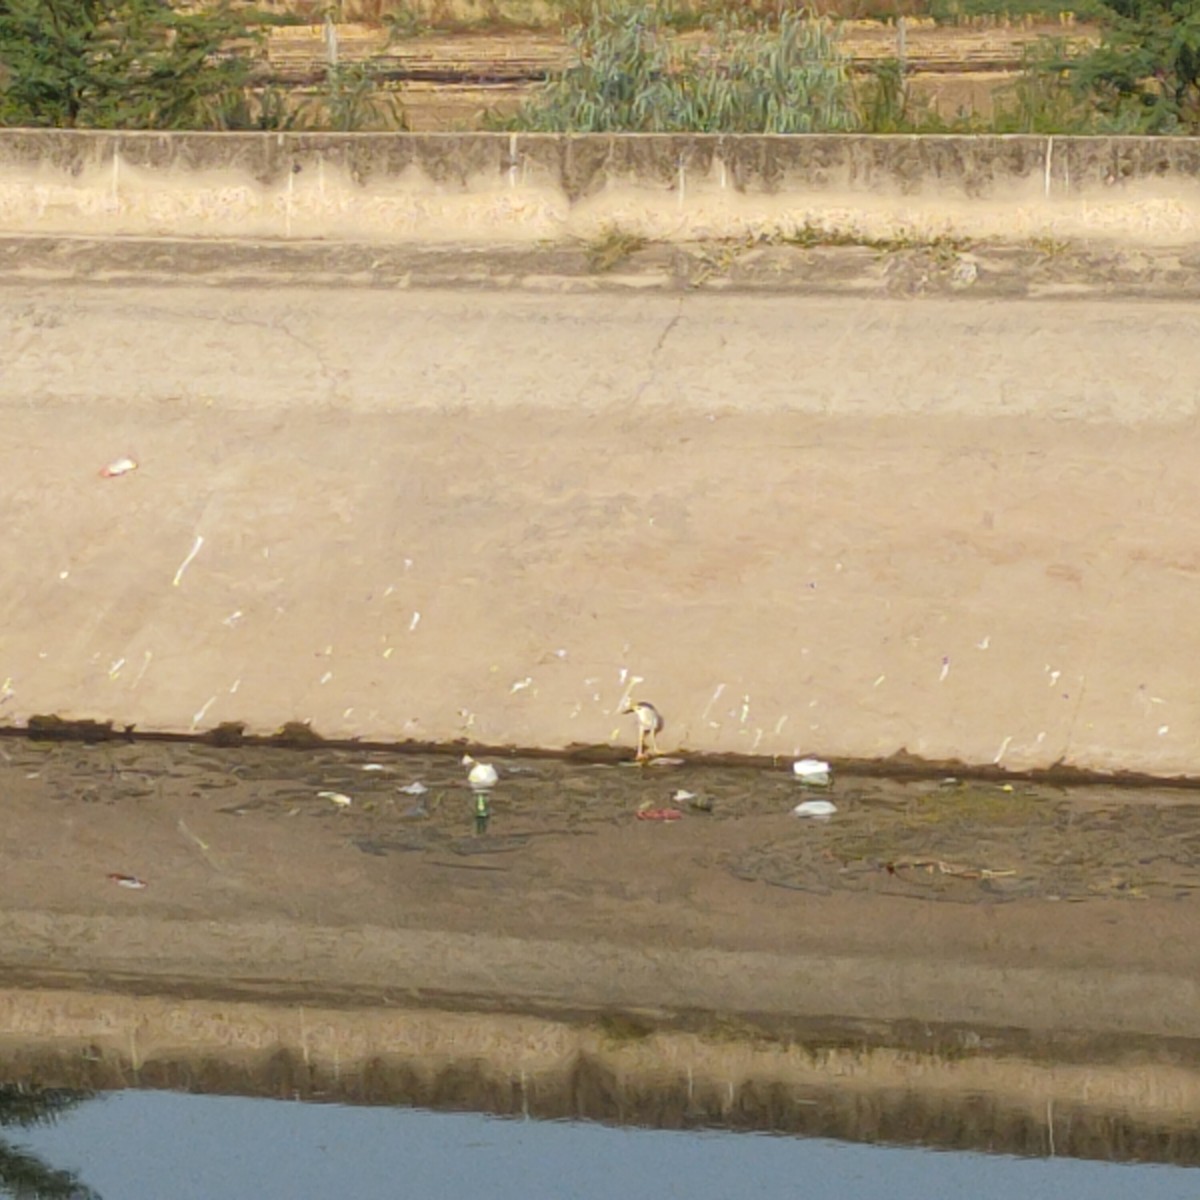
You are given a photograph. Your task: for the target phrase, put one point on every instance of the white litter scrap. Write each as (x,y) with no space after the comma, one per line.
(682,795)
(183,566)
(812,772)
(118,467)
(815,808)
(416,788)
(338,798)
(480,775)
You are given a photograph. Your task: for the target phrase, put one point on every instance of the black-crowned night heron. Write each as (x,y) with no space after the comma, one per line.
(649,721)
(481,774)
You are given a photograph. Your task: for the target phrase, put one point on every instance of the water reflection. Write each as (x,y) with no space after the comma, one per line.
(140,1144)
(23,1174)
(1112,1099)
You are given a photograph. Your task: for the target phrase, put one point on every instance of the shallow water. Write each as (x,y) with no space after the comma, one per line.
(135,1145)
(944,839)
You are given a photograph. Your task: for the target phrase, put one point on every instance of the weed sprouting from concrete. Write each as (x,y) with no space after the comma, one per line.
(943,247)
(611,247)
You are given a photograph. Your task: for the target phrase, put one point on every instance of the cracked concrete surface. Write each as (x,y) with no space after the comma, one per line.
(960,527)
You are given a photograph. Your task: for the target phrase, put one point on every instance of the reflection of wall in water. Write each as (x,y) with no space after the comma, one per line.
(1001,1091)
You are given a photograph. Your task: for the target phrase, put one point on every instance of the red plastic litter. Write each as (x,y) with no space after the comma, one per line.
(660,814)
(127,881)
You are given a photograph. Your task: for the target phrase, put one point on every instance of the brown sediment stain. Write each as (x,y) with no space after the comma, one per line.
(1064,572)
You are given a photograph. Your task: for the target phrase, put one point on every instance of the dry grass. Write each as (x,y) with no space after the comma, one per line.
(611,247)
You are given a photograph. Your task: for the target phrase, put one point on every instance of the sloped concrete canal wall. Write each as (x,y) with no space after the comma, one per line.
(960,527)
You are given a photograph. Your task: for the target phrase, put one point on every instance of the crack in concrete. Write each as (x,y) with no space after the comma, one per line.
(668,329)
(327,373)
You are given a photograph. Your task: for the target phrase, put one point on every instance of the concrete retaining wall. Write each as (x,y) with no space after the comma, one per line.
(456,187)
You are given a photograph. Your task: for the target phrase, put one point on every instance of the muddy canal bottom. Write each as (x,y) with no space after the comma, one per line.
(946,840)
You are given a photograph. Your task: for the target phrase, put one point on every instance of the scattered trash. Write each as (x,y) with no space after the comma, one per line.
(338,798)
(480,775)
(373,767)
(183,566)
(664,761)
(521,685)
(199,714)
(191,837)
(416,788)
(483,813)
(118,466)
(712,700)
(815,808)
(659,814)
(964,274)
(945,668)
(958,870)
(812,772)
(682,795)
(700,804)
(127,881)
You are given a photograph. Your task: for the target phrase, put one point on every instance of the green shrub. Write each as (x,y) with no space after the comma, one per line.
(352,99)
(786,76)
(120,64)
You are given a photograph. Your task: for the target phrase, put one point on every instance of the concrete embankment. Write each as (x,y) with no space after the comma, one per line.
(922,517)
(530,187)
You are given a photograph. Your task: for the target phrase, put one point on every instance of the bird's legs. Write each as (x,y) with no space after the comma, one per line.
(641,750)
